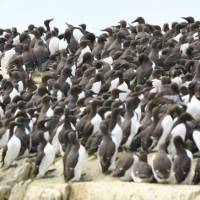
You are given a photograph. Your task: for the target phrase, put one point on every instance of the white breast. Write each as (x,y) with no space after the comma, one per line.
(177,80)
(133,175)
(114,83)
(138,113)
(47,160)
(193,108)
(5,61)
(184,48)
(20,86)
(62,118)
(123,87)
(153,65)
(16,40)
(43,39)
(195,35)
(85,50)
(106,114)
(189,178)
(31,36)
(177,38)
(1,99)
(68,80)
(186,99)
(96,120)
(49,112)
(96,87)
(141,96)
(55,141)
(31,123)
(13,149)
(53,45)
(82,110)
(77,35)
(27,131)
(59,95)
(81,161)
(13,94)
(81,95)
(108,60)
(127,175)
(167,124)
(196,138)
(1,112)
(117,135)
(179,130)
(62,44)
(123,96)
(73,70)
(157,85)
(6,58)
(73,127)
(134,129)
(160,53)
(46,135)
(186,84)
(4,139)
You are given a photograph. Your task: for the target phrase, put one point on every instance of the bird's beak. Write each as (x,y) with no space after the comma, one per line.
(133,21)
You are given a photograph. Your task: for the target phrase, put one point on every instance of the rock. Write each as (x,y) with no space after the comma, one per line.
(23,172)
(132,191)
(4,192)
(17,185)
(19,190)
(12,179)
(41,191)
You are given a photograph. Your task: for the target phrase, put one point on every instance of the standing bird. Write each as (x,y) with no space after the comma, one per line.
(74,159)
(131,121)
(46,23)
(107,150)
(164,127)
(98,48)
(180,128)
(182,166)
(28,58)
(124,166)
(45,151)
(53,43)
(14,143)
(162,165)
(41,53)
(108,43)
(19,143)
(141,170)
(115,128)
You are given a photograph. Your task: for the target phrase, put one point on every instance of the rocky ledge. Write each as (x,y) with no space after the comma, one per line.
(19,184)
